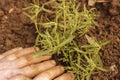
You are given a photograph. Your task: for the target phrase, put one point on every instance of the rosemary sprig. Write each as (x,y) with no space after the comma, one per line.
(57,36)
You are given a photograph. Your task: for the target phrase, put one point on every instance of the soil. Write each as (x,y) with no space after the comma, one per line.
(109,28)
(16,30)
(15,27)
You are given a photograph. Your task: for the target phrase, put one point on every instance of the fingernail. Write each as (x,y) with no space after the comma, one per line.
(37,49)
(20,48)
(53,62)
(70,75)
(61,68)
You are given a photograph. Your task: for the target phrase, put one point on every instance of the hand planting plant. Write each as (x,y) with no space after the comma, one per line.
(58,27)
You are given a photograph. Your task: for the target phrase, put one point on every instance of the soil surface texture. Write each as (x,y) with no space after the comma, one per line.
(17,31)
(15,27)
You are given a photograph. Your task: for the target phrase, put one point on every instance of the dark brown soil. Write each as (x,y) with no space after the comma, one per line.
(109,22)
(16,30)
(15,27)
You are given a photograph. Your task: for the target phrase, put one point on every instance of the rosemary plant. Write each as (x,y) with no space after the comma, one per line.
(57,35)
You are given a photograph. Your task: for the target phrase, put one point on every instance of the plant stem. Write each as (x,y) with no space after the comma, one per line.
(64,6)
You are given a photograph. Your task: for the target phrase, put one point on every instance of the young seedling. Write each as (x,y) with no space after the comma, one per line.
(57,36)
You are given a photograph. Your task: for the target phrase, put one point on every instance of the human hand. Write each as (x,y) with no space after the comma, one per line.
(18,64)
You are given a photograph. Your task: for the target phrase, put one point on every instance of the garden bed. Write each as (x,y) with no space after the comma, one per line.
(16,30)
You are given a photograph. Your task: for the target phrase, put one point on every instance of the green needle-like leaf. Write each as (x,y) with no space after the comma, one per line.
(60,28)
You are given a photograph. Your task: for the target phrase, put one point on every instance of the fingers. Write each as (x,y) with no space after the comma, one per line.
(20,53)
(66,76)
(50,74)
(21,58)
(27,51)
(22,62)
(10,52)
(25,61)
(35,69)
(20,77)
